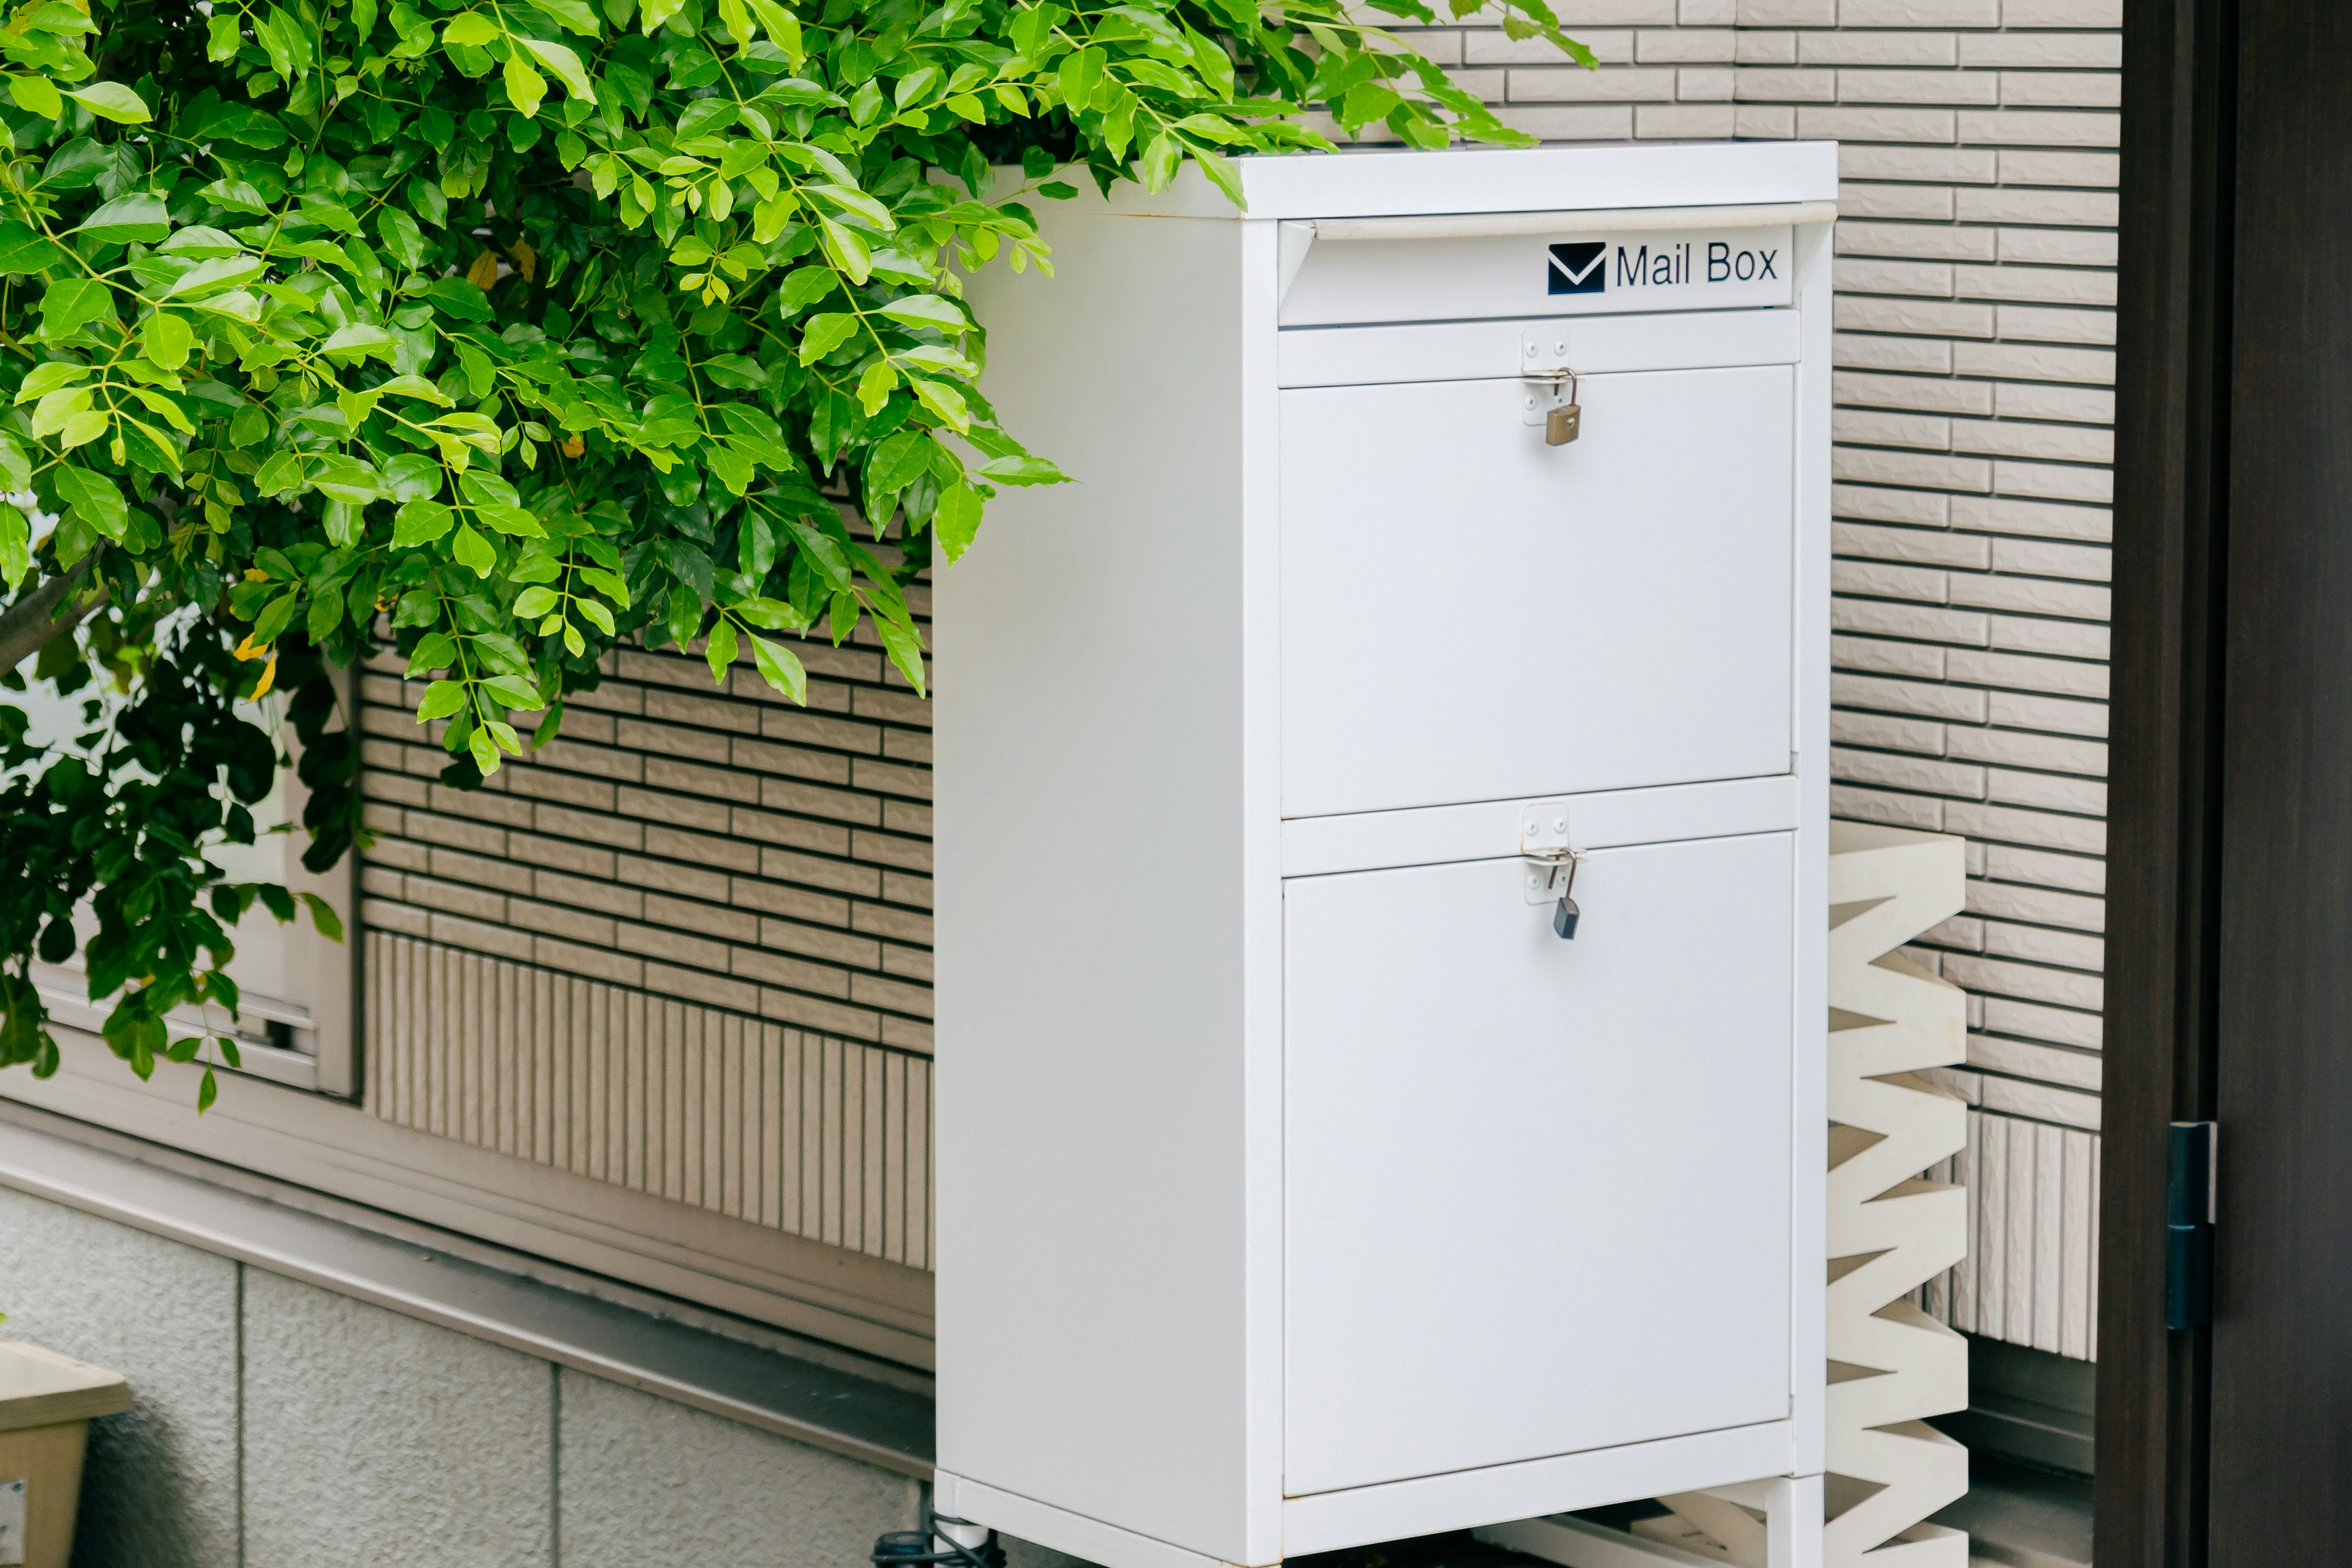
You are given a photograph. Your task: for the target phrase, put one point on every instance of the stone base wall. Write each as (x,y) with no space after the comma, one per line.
(282,1425)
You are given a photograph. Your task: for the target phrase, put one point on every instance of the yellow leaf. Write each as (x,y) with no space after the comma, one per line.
(484,271)
(573,446)
(255,574)
(268,674)
(526,259)
(246,650)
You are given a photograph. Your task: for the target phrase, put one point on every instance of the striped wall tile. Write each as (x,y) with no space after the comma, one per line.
(823,1138)
(2031,1274)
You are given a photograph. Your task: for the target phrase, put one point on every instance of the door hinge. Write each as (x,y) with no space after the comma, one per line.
(2190,1207)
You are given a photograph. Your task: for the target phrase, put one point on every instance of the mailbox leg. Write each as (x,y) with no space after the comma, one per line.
(1792,1522)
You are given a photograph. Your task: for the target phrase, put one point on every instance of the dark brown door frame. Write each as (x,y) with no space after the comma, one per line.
(2173,441)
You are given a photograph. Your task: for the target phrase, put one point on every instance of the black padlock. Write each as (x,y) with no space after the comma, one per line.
(1565,916)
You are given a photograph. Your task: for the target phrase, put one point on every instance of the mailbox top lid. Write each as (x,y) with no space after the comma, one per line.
(1401,183)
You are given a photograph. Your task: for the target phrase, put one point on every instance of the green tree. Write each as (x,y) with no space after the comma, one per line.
(503,331)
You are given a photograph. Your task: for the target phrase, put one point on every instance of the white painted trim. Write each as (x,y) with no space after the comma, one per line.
(1484,225)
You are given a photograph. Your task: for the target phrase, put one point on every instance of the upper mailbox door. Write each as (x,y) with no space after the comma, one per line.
(1468,614)
(1537,1192)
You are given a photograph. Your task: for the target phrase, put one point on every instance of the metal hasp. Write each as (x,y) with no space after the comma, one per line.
(2189,1211)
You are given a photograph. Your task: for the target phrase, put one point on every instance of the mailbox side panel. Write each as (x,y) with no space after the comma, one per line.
(1091,1164)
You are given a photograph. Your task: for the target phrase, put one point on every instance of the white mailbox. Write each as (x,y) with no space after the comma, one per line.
(1298,1185)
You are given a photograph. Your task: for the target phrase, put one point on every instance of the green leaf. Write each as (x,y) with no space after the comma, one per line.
(533,603)
(456,297)
(357,341)
(718,652)
(825,333)
(525,86)
(944,401)
(1222,174)
(37,95)
(323,917)
(473,551)
(1021,469)
(781,668)
(1081,73)
(806,286)
(346,479)
(200,241)
(906,650)
(49,375)
(401,237)
(410,478)
(210,277)
(93,498)
(925,311)
(571,16)
(207,1091)
(73,304)
(415,387)
(15,548)
(566,66)
(167,338)
(111,100)
(774,614)
(22,250)
(469,28)
(897,462)
(956,522)
(441,699)
(420,522)
(514,691)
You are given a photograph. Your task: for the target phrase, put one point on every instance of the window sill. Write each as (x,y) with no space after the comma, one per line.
(800,1389)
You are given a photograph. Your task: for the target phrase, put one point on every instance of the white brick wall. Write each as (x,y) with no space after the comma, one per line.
(1975,371)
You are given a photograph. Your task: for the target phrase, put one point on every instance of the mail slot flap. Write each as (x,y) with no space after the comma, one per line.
(1475,351)
(1419,280)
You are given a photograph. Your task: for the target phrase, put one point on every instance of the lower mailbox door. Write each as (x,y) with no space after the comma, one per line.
(1536,1191)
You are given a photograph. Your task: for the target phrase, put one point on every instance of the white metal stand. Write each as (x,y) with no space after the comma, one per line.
(1788,1535)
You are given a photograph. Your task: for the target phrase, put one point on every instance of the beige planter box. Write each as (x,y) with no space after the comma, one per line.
(47,1401)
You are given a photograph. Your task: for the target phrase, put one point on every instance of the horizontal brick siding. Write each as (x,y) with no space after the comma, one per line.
(715,845)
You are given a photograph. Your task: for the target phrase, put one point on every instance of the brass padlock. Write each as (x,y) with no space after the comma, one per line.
(1564,423)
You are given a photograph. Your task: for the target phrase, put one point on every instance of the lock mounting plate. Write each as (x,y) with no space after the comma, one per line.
(1543,844)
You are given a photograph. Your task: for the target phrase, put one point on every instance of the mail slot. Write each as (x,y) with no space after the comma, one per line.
(1380,856)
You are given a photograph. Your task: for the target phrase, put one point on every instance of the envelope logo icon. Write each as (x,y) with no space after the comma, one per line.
(1576,267)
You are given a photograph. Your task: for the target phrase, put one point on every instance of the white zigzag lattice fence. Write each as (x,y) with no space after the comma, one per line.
(1890,1230)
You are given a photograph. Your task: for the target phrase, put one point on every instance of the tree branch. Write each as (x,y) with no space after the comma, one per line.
(28,625)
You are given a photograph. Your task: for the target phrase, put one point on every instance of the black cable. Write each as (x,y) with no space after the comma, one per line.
(913,1548)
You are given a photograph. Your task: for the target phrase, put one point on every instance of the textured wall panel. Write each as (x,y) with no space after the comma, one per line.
(2031,1273)
(823,1138)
